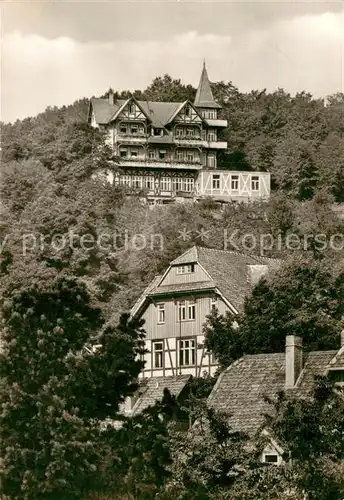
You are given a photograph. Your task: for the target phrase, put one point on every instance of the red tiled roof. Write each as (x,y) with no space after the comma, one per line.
(241,389)
(153,390)
(229,270)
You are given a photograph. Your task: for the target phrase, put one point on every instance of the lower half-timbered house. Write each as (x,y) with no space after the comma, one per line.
(175,307)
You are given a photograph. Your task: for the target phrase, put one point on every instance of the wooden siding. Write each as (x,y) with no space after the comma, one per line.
(172,328)
(173,278)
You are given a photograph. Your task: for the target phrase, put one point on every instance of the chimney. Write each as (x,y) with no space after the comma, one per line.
(256,272)
(293,360)
(111,97)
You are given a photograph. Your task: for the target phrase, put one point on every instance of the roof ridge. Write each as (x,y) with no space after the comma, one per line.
(233,252)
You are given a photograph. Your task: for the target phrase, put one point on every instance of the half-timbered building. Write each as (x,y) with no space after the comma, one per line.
(168,150)
(176,304)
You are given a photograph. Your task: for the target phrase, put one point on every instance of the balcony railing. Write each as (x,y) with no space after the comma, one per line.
(169,139)
(166,163)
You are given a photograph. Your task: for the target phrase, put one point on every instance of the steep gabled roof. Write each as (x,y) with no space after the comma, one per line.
(160,113)
(140,301)
(228,270)
(338,361)
(204,96)
(103,110)
(241,389)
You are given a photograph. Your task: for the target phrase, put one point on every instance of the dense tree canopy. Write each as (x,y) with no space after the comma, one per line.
(72,260)
(303,298)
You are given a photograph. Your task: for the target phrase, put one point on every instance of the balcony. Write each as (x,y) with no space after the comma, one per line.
(216,123)
(166,164)
(189,141)
(131,138)
(215,145)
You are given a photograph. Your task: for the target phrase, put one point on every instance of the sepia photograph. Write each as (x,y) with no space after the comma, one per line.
(171,250)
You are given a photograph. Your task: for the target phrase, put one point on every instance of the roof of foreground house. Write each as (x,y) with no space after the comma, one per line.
(228,272)
(241,389)
(153,390)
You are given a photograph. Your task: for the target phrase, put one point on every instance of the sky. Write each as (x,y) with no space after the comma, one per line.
(53,53)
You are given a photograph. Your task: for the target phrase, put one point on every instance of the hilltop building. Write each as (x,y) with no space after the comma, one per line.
(176,304)
(168,150)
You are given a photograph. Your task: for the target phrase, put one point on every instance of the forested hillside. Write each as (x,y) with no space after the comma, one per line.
(76,253)
(47,189)
(298,139)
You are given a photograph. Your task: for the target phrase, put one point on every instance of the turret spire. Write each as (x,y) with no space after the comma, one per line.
(204,96)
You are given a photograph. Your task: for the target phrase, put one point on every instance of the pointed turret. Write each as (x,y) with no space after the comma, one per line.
(204,96)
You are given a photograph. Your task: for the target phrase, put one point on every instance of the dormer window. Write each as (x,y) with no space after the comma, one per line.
(271,459)
(157,131)
(186,269)
(337,376)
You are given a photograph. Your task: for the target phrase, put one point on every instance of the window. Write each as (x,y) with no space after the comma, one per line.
(186,269)
(179,132)
(134,129)
(234,182)
(151,155)
(255,183)
(158,354)
(187,111)
(187,352)
(180,156)
(165,184)
(177,184)
(123,153)
(162,154)
(186,310)
(211,161)
(137,181)
(149,182)
(157,131)
(191,310)
(211,136)
(271,459)
(213,303)
(213,359)
(190,132)
(188,185)
(123,129)
(131,109)
(161,313)
(134,153)
(190,156)
(337,376)
(125,180)
(182,311)
(216,181)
